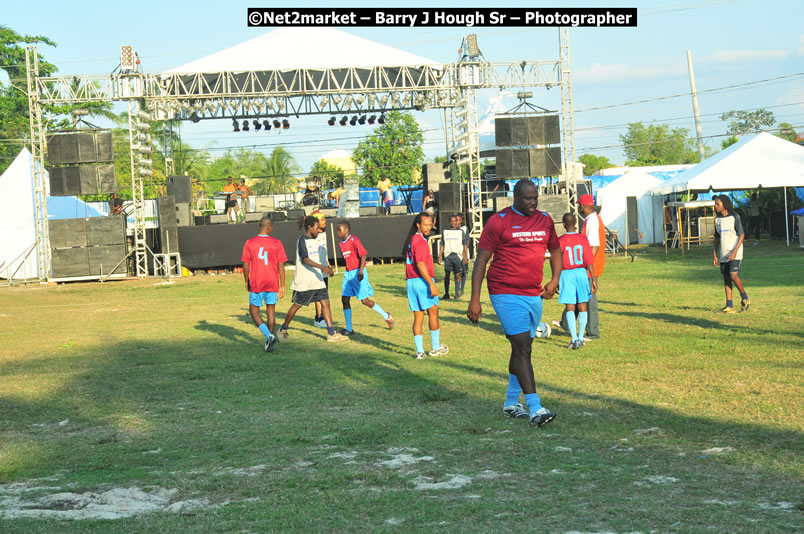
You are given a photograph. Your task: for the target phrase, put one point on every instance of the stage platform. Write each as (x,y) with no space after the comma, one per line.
(221,245)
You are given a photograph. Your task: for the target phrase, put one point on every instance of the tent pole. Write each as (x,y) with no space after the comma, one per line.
(786,218)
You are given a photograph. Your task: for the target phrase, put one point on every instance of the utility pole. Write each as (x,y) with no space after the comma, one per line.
(695,107)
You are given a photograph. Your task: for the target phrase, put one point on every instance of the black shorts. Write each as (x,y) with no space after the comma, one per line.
(231,204)
(453,264)
(304,298)
(726,268)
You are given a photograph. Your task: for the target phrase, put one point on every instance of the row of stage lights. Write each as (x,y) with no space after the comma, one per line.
(355,120)
(285,125)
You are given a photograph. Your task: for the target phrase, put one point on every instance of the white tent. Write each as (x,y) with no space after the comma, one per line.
(613,201)
(756,160)
(18,256)
(309,48)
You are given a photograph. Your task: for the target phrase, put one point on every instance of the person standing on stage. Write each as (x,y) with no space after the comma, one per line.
(230,189)
(355,279)
(264,271)
(386,194)
(518,237)
(308,282)
(454,251)
(574,282)
(245,191)
(421,286)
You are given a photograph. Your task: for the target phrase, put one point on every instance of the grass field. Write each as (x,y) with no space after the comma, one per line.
(142,396)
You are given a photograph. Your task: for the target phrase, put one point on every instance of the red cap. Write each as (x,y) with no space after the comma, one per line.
(586,200)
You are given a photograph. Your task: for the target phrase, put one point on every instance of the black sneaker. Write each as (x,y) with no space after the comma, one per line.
(516,411)
(346,332)
(269,344)
(542,417)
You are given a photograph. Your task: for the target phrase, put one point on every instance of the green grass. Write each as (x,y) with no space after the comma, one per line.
(167,386)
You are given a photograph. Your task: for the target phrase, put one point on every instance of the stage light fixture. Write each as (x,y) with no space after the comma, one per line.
(235,126)
(126,58)
(383,100)
(285,124)
(406,101)
(395,100)
(269,103)
(381,120)
(343,120)
(348,102)
(362,120)
(336,100)
(277,124)
(360,99)
(353,121)
(257,125)
(372,100)
(266,124)
(331,121)
(245,126)
(324,102)
(280,104)
(471,44)
(372,119)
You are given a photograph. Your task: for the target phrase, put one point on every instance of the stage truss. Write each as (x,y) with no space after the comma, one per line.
(277,94)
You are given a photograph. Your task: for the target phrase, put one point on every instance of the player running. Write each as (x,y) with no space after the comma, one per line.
(264,271)
(355,279)
(574,282)
(422,289)
(518,238)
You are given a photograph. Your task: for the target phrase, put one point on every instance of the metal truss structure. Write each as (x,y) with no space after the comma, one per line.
(272,94)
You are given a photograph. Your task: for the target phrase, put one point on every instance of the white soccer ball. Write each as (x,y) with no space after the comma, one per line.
(543,330)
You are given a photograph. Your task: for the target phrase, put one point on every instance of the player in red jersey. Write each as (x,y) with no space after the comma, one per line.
(264,271)
(355,279)
(574,283)
(518,238)
(421,286)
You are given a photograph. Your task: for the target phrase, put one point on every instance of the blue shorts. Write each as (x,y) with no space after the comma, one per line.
(574,287)
(352,287)
(267,297)
(419,297)
(518,313)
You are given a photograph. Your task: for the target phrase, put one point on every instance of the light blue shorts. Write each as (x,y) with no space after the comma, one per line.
(419,297)
(574,287)
(518,313)
(352,287)
(258,299)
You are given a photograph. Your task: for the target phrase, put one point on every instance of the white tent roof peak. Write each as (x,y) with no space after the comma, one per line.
(303,48)
(756,160)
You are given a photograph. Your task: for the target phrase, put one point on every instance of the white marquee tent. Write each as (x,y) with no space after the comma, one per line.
(613,201)
(756,160)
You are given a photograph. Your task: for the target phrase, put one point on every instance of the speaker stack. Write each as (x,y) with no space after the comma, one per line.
(80,163)
(522,150)
(87,247)
(433,175)
(168,225)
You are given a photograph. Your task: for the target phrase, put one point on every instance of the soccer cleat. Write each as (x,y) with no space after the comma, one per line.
(440,351)
(269,344)
(745,304)
(726,309)
(334,338)
(419,356)
(390,322)
(573,345)
(516,411)
(320,324)
(346,332)
(282,335)
(580,343)
(542,417)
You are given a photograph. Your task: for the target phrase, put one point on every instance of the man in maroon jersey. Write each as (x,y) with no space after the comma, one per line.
(518,237)
(264,271)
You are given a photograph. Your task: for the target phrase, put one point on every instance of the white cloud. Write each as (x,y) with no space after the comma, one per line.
(735,56)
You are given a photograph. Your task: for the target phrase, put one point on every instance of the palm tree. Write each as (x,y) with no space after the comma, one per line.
(280,170)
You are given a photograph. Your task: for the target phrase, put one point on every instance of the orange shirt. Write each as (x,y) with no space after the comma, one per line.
(229,188)
(384,185)
(600,257)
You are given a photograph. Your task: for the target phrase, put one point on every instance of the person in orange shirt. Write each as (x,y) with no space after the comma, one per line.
(245,191)
(231,191)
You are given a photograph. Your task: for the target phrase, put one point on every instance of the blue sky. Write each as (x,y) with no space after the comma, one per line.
(733,43)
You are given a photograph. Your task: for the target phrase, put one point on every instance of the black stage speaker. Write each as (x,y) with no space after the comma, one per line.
(503,166)
(181,188)
(56,175)
(184,214)
(70,262)
(168,228)
(520,163)
(105,258)
(278,216)
(68,233)
(545,161)
(80,147)
(295,215)
(72,181)
(82,180)
(433,176)
(105,231)
(107,182)
(449,197)
(502,131)
(519,131)
(544,130)
(495,187)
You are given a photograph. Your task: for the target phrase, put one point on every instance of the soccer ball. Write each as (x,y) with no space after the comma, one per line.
(543,330)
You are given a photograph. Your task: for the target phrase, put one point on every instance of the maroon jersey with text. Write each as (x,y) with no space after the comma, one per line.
(352,250)
(264,253)
(418,250)
(519,244)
